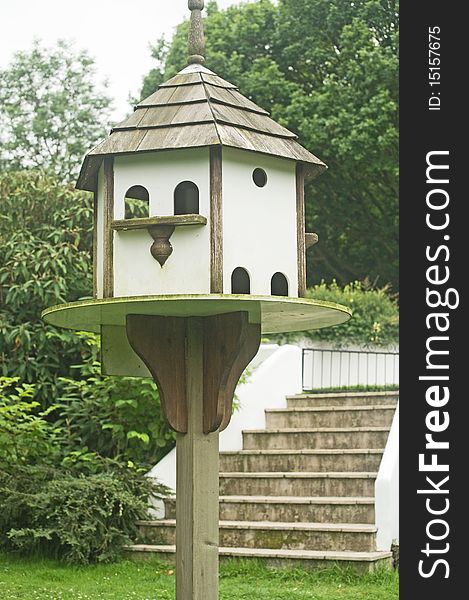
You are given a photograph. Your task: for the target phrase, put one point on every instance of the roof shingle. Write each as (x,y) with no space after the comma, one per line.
(196,108)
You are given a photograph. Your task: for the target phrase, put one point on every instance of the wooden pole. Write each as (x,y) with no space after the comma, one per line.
(196,486)
(196,363)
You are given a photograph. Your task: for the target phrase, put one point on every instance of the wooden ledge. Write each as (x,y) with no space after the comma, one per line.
(175,220)
(311,239)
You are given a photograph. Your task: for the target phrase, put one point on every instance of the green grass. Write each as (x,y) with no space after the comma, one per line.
(36,579)
(355,388)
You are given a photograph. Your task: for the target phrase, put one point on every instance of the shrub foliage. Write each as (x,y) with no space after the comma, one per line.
(69,503)
(45,242)
(375,319)
(76,517)
(45,259)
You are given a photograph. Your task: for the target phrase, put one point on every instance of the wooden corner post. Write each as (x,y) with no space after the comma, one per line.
(108,233)
(216,220)
(196,363)
(300,216)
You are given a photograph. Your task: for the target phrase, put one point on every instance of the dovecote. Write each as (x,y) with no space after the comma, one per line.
(199,191)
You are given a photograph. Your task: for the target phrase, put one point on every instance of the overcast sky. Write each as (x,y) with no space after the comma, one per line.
(117,33)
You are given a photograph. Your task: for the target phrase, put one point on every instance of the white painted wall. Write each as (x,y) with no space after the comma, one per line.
(387,491)
(277,374)
(259,224)
(187,270)
(276,378)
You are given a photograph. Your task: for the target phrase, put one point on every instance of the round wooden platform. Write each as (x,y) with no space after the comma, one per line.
(275,314)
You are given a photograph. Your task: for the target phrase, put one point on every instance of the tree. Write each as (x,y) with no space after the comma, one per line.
(328,70)
(346,111)
(51,111)
(45,259)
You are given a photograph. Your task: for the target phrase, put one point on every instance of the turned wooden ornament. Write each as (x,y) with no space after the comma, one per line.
(196,33)
(161,248)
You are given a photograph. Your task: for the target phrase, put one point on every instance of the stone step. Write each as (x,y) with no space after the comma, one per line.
(309,559)
(262,534)
(290,509)
(301,460)
(297,484)
(319,437)
(337,416)
(329,399)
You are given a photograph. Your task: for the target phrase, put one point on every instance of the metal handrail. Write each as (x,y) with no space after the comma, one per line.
(336,368)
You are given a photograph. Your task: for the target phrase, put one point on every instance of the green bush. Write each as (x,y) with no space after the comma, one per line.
(45,259)
(116,417)
(375,319)
(76,517)
(26,437)
(61,499)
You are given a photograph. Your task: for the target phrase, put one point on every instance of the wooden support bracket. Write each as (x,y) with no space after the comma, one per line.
(230,342)
(160,343)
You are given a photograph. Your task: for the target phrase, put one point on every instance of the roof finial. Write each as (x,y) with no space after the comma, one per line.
(196,33)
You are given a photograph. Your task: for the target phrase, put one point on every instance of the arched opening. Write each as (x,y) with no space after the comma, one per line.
(240,281)
(259,176)
(186,199)
(137,202)
(279,285)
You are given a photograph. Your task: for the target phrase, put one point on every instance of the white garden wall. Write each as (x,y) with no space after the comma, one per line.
(387,491)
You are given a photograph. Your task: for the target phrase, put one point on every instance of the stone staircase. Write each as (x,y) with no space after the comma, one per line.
(301,492)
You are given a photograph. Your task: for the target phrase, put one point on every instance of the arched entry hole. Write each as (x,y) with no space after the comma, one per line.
(279,285)
(186,199)
(240,281)
(137,202)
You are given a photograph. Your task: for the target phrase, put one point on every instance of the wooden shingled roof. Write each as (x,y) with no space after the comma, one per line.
(196,108)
